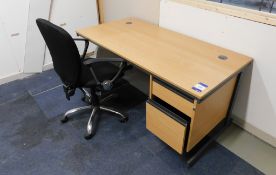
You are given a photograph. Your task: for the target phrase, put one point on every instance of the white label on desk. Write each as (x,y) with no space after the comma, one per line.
(199,87)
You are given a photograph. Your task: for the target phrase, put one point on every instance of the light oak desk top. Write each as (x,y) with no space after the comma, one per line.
(175,58)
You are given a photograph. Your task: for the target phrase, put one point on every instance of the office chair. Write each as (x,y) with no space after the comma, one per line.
(100,75)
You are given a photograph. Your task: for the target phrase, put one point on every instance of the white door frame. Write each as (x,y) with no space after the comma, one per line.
(35,45)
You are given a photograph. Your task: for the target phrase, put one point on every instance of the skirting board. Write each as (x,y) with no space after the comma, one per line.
(13,77)
(48,67)
(21,75)
(255,131)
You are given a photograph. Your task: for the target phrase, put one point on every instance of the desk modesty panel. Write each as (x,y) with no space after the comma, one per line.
(180,60)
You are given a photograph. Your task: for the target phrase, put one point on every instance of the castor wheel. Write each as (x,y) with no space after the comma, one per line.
(124,120)
(88,136)
(64,120)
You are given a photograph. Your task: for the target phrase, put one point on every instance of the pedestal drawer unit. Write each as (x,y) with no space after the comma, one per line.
(166,125)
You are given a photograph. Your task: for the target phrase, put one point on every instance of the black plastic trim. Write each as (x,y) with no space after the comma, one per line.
(176,90)
(218,87)
(168,113)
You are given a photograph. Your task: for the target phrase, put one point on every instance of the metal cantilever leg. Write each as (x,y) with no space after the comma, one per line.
(74,111)
(119,115)
(92,124)
(191,159)
(93,120)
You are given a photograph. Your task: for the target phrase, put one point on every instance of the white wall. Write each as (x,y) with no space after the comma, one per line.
(35,45)
(21,45)
(256,102)
(143,9)
(13,28)
(72,15)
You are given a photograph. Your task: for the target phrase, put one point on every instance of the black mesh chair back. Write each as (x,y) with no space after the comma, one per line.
(64,52)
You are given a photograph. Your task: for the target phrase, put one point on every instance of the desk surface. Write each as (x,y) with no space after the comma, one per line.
(177,59)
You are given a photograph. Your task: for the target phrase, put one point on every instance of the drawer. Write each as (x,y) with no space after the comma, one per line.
(166,125)
(173,99)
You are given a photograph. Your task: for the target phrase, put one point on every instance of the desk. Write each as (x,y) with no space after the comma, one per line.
(192,82)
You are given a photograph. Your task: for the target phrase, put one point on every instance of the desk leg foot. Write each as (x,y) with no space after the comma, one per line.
(191,160)
(203,146)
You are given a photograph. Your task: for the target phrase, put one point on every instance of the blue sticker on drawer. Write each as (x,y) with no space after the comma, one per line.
(199,87)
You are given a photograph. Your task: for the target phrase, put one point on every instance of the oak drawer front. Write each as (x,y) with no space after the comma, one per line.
(173,99)
(161,124)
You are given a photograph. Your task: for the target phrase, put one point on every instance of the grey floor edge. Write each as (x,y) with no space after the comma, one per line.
(250,148)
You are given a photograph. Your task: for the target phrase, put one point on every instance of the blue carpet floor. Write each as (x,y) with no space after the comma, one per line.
(34,142)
